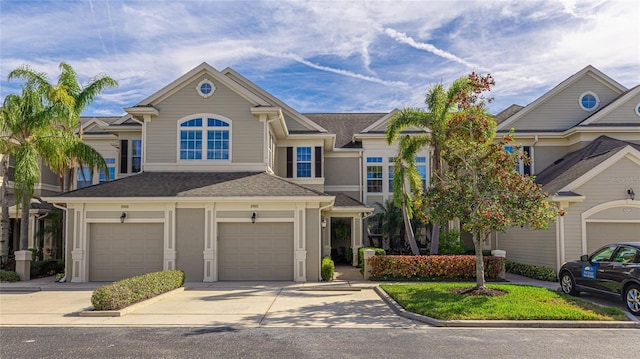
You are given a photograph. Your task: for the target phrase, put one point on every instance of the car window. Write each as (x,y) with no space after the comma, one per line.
(603,254)
(626,255)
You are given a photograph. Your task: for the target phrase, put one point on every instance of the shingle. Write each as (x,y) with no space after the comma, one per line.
(345,125)
(575,164)
(197,184)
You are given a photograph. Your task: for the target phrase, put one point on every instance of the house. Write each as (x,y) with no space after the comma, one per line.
(214,176)
(583,140)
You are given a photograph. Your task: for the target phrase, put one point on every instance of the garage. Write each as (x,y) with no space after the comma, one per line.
(603,233)
(124,250)
(258,251)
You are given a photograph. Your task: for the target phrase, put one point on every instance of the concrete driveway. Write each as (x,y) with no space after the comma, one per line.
(222,304)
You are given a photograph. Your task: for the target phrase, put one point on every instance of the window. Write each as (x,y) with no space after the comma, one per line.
(589,101)
(217,136)
(136,156)
(523,167)
(421,166)
(603,255)
(391,169)
(205,88)
(374,175)
(110,175)
(638,109)
(303,162)
(84,177)
(130,156)
(626,255)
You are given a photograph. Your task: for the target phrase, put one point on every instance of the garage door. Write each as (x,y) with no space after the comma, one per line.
(259,251)
(124,250)
(600,234)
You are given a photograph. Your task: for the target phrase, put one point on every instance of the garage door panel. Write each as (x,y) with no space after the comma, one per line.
(602,233)
(260,251)
(124,250)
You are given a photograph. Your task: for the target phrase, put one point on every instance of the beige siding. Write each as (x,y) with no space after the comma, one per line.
(562,111)
(340,171)
(190,243)
(47,176)
(247,132)
(625,113)
(546,155)
(294,125)
(312,237)
(607,186)
(281,162)
(530,247)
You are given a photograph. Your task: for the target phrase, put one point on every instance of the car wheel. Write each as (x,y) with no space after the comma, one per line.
(632,299)
(567,284)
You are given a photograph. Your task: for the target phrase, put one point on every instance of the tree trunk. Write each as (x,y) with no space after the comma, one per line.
(24,224)
(478,238)
(435,238)
(5,222)
(411,238)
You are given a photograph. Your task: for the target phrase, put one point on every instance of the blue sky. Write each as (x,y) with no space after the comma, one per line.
(324,56)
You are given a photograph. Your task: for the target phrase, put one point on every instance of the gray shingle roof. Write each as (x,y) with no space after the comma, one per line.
(345,125)
(196,184)
(575,164)
(342,200)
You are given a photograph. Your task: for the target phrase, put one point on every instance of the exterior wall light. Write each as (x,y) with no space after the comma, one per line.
(123,216)
(253,217)
(630,193)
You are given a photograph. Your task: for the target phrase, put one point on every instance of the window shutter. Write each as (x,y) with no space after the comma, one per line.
(289,162)
(318,161)
(124,151)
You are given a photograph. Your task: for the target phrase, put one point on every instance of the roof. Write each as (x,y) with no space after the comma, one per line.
(196,184)
(342,200)
(345,125)
(507,112)
(575,164)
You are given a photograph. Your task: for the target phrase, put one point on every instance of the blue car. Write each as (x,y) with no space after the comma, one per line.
(613,269)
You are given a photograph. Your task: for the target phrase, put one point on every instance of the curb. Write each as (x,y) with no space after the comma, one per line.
(132,308)
(399,310)
(19,289)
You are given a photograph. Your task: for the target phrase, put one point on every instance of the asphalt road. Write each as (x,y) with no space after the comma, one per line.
(226,342)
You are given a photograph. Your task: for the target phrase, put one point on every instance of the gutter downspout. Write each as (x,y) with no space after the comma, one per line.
(66,216)
(532,155)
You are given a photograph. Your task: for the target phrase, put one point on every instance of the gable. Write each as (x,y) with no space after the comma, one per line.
(610,182)
(559,109)
(624,110)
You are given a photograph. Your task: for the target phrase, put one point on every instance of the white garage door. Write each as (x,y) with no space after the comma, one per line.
(259,251)
(121,250)
(600,234)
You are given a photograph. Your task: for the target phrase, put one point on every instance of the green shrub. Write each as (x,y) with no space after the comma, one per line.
(126,292)
(327,269)
(443,267)
(531,271)
(379,252)
(8,276)
(59,276)
(450,242)
(46,268)
(34,253)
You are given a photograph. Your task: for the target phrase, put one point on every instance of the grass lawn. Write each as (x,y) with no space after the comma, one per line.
(521,302)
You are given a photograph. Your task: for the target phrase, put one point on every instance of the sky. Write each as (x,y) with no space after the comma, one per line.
(323,56)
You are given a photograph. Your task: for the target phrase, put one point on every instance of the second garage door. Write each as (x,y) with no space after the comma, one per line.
(122,250)
(600,234)
(259,251)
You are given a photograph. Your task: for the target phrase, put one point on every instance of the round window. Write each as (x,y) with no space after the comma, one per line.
(589,101)
(638,109)
(205,88)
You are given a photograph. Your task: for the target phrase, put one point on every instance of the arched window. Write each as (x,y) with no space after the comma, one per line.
(204,138)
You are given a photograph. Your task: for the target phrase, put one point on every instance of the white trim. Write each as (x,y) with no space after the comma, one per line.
(205,165)
(589,93)
(584,217)
(345,188)
(380,121)
(205,81)
(627,152)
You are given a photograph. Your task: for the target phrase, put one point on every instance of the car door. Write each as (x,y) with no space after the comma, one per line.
(612,274)
(590,271)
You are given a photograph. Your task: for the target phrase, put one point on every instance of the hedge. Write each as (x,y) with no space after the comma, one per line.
(126,292)
(531,271)
(9,276)
(379,251)
(439,266)
(46,268)
(327,269)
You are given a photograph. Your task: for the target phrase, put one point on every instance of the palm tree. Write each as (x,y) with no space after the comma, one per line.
(30,129)
(79,153)
(441,103)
